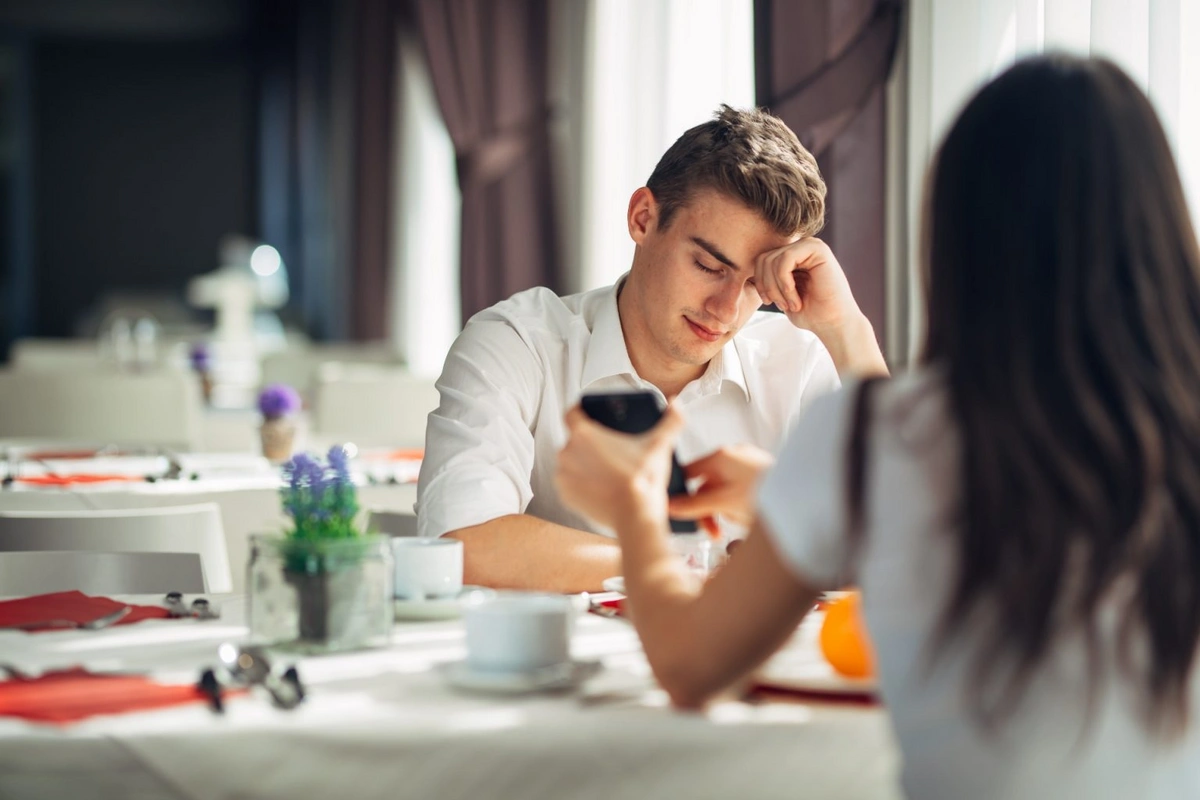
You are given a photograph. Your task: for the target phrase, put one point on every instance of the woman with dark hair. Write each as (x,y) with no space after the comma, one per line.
(1022,511)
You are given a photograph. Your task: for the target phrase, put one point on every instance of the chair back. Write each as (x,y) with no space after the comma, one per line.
(373,406)
(100,573)
(392,523)
(194,530)
(151,409)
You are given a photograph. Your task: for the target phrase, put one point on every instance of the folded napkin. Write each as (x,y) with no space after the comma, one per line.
(82,477)
(75,694)
(75,606)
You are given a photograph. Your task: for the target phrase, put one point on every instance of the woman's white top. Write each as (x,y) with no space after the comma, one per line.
(1048,747)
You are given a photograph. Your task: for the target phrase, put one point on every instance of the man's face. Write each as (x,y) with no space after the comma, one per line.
(692,285)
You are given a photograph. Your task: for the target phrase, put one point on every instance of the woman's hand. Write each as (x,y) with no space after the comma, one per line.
(728,478)
(610,476)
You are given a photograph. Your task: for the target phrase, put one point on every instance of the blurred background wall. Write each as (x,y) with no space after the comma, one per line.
(413,161)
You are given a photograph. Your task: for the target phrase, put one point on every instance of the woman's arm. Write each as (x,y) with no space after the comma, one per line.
(698,640)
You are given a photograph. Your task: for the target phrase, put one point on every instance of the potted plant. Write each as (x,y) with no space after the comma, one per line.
(278,404)
(322,585)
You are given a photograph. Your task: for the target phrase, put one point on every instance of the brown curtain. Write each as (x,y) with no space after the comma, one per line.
(488,61)
(822,66)
(372,58)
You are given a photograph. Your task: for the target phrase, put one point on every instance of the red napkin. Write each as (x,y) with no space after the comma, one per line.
(75,694)
(764,691)
(617,605)
(59,455)
(411,454)
(83,477)
(75,606)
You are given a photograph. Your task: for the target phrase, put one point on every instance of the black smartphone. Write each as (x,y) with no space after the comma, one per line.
(638,412)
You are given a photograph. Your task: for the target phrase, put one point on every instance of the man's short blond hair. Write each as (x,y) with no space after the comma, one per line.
(752,156)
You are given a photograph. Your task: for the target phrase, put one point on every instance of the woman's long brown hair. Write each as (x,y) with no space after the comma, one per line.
(1063,302)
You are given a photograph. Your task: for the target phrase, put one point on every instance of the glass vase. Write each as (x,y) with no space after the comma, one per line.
(321,595)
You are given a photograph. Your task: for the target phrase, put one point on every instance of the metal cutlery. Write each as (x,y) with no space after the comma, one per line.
(199,609)
(247,666)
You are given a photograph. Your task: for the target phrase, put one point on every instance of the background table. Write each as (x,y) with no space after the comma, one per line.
(249,503)
(384,724)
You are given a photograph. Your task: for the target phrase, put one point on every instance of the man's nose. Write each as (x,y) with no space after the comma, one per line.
(724,304)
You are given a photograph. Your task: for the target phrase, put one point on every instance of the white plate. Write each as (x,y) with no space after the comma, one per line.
(441,608)
(799,666)
(561,676)
(616,584)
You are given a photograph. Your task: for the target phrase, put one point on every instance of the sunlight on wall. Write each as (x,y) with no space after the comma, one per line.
(654,69)
(425,287)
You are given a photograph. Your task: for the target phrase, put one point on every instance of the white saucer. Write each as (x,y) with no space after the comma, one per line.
(442,607)
(567,675)
(616,584)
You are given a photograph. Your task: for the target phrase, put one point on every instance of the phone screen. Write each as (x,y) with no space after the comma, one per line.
(637,412)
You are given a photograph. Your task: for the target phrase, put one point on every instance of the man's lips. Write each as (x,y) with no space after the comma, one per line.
(703,332)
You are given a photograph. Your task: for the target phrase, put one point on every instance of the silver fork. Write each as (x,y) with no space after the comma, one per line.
(111,618)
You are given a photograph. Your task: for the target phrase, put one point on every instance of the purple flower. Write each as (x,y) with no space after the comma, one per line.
(320,497)
(278,400)
(200,357)
(339,461)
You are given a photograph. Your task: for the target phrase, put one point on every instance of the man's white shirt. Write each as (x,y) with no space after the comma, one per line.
(519,366)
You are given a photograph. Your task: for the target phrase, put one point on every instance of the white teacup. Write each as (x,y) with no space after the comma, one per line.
(427,569)
(518,632)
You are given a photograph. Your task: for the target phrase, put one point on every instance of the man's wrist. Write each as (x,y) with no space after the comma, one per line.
(853,347)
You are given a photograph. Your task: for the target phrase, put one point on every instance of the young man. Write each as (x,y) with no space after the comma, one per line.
(723,225)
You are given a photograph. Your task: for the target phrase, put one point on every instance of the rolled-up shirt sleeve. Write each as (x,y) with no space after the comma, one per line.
(802,500)
(479,448)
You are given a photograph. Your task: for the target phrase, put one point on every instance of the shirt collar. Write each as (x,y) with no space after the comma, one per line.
(606,353)
(727,366)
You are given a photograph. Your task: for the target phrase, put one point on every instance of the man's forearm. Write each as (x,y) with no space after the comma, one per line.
(854,349)
(520,551)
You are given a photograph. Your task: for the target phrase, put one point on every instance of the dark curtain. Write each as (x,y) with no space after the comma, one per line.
(488,61)
(326,103)
(822,65)
(373,70)
(297,202)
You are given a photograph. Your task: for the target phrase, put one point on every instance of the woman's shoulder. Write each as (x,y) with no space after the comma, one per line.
(910,402)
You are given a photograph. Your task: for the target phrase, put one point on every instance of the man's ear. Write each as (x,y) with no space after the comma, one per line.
(642,216)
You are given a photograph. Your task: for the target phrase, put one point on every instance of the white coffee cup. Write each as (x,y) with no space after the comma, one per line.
(518,632)
(427,569)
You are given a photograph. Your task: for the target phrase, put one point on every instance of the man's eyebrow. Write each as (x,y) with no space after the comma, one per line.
(715,253)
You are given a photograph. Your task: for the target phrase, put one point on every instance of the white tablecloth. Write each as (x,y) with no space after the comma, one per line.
(384,724)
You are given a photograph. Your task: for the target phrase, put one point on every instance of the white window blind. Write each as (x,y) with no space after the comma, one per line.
(655,68)
(955,46)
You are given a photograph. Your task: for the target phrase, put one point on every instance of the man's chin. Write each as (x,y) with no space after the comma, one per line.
(698,355)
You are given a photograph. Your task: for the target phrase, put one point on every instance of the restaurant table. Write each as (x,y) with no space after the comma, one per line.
(249,499)
(385,724)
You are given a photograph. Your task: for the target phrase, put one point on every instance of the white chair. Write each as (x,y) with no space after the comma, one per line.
(100,573)
(157,409)
(392,523)
(55,354)
(191,530)
(372,406)
(298,366)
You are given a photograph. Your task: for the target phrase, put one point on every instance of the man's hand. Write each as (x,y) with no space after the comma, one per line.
(728,477)
(806,282)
